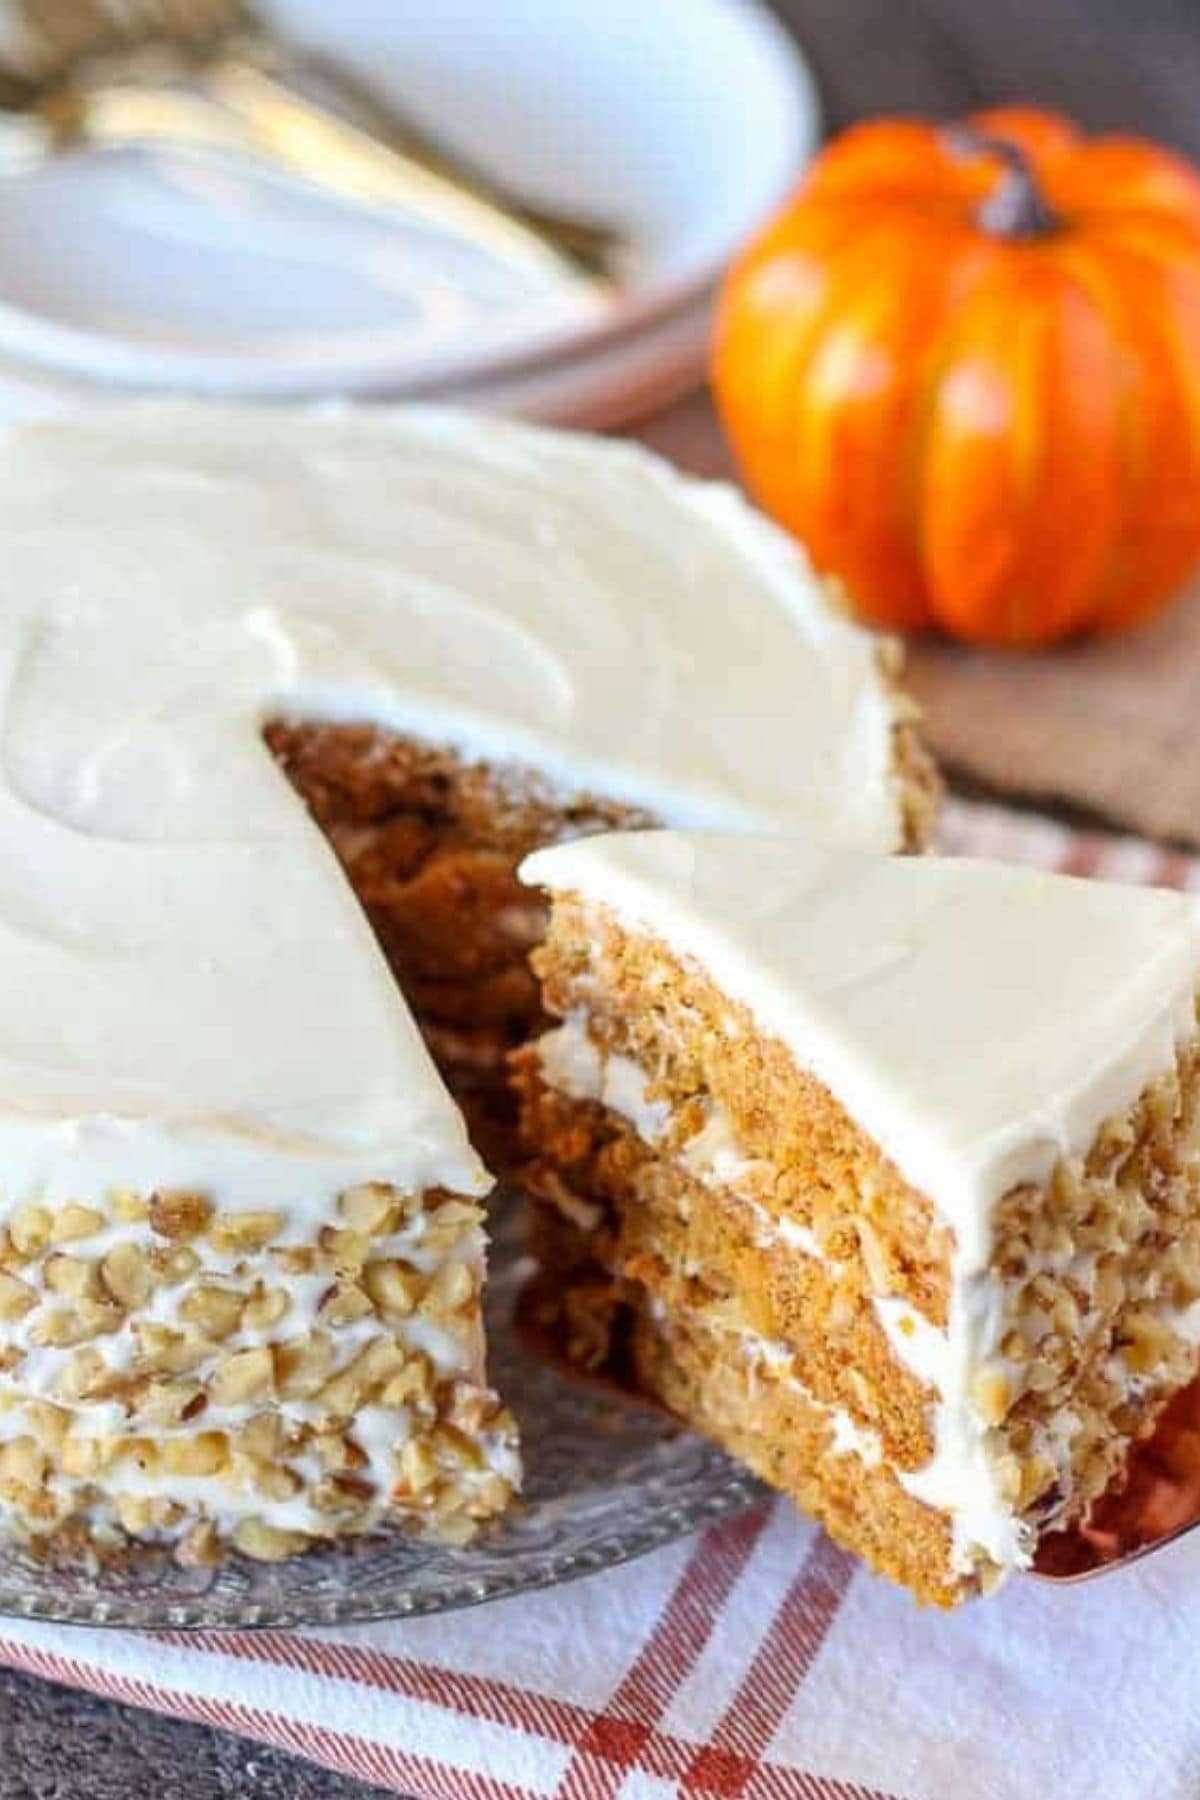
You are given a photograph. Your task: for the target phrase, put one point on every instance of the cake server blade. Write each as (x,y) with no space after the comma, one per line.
(1155,1500)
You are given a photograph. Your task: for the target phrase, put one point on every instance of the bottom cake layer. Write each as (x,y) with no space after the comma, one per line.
(208,1377)
(742,1394)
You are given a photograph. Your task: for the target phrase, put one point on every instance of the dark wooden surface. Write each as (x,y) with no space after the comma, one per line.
(1132,63)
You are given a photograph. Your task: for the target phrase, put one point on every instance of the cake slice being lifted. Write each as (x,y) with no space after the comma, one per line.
(880,1171)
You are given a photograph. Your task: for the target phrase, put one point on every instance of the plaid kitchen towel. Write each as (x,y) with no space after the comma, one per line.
(751,1662)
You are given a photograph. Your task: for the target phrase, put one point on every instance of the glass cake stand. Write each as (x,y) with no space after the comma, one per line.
(605,1480)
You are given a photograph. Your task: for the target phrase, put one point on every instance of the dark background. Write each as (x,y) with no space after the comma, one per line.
(1126,64)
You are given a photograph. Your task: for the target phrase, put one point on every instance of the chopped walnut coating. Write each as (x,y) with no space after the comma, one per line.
(206,1373)
(1098,1266)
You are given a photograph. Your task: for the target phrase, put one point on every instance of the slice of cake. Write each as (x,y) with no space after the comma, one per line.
(884,1172)
(284,697)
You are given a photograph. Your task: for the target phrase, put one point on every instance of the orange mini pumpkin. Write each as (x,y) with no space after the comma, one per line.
(963,365)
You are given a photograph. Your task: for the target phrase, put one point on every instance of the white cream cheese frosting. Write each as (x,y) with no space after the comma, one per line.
(977,1020)
(189,990)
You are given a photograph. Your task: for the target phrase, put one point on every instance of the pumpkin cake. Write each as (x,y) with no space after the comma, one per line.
(880,1171)
(284,698)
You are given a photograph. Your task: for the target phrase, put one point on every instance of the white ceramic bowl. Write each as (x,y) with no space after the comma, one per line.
(684,120)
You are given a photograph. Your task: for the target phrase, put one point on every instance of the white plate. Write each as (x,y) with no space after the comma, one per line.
(611,384)
(684,120)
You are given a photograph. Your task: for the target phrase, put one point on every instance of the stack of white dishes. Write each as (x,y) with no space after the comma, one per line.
(683,123)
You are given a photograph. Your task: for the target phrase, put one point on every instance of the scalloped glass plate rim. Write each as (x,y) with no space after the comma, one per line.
(607,1480)
(734,1494)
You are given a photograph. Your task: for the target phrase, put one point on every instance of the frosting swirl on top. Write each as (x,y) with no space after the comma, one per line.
(178,948)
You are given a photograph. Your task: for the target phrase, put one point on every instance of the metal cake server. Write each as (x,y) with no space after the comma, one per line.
(1156,1502)
(207,76)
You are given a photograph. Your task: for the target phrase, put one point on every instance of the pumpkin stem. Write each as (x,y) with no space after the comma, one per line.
(1016,206)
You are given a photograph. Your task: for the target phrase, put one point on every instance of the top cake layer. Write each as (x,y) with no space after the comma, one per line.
(189,986)
(977,1020)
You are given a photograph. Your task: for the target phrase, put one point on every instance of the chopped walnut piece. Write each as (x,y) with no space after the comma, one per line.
(372,1208)
(448,1226)
(303,1364)
(348,1249)
(87,1376)
(1144,1340)
(342,1494)
(395,1287)
(135,1512)
(266,1308)
(29,1230)
(260,1437)
(456,1448)
(265,1543)
(412,1385)
(463,1214)
(83,1457)
(269,1480)
(199,1548)
(128,1276)
(469,1408)
(214,1311)
(451,1288)
(179,1215)
(129,1207)
(350,1388)
(337,1453)
(169,1402)
(343,1304)
(75,1221)
(204,1454)
(72,1276)
(175,1265)
(163,1350)
(59,1327)
(23,1459)
(294,1259)
(233,1233)
(49,1423)
(16,1297)
(418,1466)
(241,1376)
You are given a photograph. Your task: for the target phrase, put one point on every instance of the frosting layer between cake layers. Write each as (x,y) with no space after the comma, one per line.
(978,1022)
(190,990)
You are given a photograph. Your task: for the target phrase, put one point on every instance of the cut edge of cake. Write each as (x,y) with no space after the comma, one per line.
(921,1249)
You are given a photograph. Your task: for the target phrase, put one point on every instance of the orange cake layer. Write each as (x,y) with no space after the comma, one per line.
(614,1202)
(772,1424)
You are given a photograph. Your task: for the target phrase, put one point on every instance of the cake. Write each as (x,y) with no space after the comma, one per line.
(285,696)
(881,1171)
